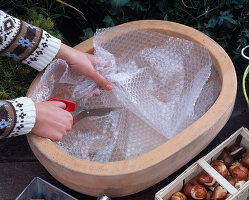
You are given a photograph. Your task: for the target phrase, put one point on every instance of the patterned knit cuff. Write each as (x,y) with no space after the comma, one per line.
(26,43)
(45,52)
(25,116)
(7,118)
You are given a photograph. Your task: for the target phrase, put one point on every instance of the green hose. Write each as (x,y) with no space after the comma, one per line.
(244,84)
(245,74)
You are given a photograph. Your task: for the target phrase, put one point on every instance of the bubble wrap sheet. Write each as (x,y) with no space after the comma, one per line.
(162,83)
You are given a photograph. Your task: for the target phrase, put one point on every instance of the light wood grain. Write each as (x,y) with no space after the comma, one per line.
(203,164)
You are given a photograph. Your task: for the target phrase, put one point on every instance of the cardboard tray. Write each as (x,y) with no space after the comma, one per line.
(204,164)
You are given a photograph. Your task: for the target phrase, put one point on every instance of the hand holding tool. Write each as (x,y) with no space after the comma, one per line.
(82,112)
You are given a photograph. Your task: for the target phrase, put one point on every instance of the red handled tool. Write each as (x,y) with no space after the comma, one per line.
(81,112)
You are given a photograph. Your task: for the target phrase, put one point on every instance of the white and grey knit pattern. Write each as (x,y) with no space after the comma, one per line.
(26,43)
(9,28)
(45,52)
(25,116)
(30,45)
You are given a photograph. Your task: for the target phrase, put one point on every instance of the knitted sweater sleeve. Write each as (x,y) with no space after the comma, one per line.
(30,45)
(17,117)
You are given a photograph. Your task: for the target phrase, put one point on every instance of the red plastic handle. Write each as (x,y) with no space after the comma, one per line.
(70,105)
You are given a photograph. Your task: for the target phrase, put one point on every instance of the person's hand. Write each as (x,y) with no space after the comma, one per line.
(83,63)
(52,121)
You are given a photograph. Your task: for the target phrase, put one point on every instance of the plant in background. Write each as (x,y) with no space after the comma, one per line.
(12,85)
(15,78)
(225,21)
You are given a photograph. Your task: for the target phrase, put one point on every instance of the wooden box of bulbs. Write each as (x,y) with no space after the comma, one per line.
(221,174)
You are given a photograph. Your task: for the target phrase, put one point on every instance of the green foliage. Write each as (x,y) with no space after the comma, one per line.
(226,21)
(44,14)
(17,77)
(44,23)
(108,21)
(88,32)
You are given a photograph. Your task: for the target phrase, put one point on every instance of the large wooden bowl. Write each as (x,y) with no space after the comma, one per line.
(130,176)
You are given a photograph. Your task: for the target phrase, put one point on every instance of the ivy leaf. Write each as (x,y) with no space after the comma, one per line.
(221,20)
(88,32)
(224,13)
(161,5)
(228,17)
(207,33)
(165,17)
(211,23)
(166,6)
(108,21)
(245,32)
(224,44)
(118,3)
(229,3)
(241,19)
(238,4)
(198,25)
(136,5)
(243,41)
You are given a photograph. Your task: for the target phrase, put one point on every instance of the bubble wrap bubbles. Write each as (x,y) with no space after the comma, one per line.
(162,83)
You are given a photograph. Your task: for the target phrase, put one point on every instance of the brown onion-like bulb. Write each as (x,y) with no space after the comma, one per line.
(187,189)
(238,184)
(245,159)
(198,192)
(193,181)
(240,173)
(233,166)
(219,193)
(178,196)
(226,157)
(216,184)
(231,180)
(209,195)
(220,167)
(236,151)
(205,179)
(188,186)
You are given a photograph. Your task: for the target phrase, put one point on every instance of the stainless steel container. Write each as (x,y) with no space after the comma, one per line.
(40,189)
